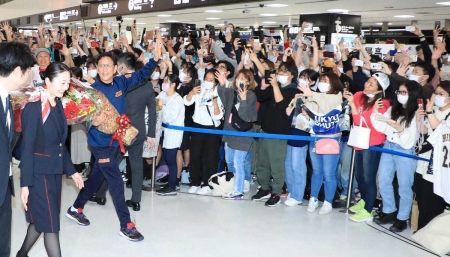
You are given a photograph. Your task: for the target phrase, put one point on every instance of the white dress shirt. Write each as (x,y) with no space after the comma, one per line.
(203,104)
(3,97)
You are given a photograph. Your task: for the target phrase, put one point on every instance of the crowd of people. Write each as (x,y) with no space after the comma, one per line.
(285,85)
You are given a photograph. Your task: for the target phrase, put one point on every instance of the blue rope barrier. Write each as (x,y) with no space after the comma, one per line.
(280,137)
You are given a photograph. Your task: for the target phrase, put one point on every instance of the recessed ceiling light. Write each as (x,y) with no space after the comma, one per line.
(221,24)
(443,3)
(338,10)
(276,5)
(269,22)
(212,18)
(128,19)
(267,15)
(78,23)
(380,23)
(172,21)
(164,15)
(404,16)
(140,23)
(213,11)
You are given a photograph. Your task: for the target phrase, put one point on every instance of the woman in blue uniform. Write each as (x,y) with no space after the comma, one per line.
(44,159)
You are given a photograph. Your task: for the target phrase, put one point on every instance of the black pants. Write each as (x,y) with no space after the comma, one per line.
(204,156)
(137,169)
(430,204)
(5,224)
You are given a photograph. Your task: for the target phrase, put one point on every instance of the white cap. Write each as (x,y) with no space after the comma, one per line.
(383,79)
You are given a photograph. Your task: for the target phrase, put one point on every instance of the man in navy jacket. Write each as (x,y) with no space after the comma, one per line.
(106,153)
(16,61)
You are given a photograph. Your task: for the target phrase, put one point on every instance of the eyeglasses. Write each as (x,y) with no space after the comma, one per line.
(400,92)
(105,65)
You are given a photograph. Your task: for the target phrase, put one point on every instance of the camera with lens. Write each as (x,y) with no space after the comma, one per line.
(189,51)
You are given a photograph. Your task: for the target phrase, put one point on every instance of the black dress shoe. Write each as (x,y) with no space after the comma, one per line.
(134,205)
(383,218)
(98,200)
(398,226)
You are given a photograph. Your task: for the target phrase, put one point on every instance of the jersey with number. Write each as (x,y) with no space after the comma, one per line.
(440,139)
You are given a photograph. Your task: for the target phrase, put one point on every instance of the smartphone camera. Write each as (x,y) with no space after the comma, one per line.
(268,74)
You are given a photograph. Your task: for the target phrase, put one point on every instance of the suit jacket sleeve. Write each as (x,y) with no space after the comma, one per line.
(151,107)
(31,117)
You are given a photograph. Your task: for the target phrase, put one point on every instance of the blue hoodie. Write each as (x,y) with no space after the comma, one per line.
(116,92)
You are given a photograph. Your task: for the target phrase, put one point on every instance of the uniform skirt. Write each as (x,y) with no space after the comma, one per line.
(44,203)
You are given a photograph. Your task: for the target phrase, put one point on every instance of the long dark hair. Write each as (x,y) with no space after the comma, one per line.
(369,102)
(407,113)
(335,83)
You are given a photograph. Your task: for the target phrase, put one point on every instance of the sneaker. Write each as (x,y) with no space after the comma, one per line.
(358,206)
(326,208)
(204,190)
(383,218)
(398,226)
(193,189)
(131,233)
(77,216)
(246,186)
(292,202)
(233,196)
(312,204)
(261,195)
(361,216)
(162,181)
(342,197)
(166,191)
(273,200)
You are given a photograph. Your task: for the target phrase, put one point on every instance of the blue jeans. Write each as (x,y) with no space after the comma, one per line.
(295,168)
(324,172)
(366,166)
(343,171)
(248,165)
(404,168)
(236,164)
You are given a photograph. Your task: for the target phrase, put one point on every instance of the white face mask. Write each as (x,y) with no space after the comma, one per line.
(303,82)
(323,87)
(165,87)
(182,76)
(440,101)
(155,75)
(272,58)
(369,95)
(341,69)
(402,99)
(409,71)
(414,78)
(282,79)
(208,85)
(92,73)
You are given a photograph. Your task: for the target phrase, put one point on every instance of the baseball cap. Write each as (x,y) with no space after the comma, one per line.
(383,79)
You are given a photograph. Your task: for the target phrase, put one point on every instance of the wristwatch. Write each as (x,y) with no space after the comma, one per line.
(430,112)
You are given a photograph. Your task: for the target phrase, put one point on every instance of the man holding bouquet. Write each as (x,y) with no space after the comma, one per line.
(106,153)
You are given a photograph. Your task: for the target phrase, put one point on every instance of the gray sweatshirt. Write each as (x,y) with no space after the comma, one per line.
(247,111)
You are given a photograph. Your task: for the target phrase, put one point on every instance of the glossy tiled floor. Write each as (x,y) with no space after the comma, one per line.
(202,226)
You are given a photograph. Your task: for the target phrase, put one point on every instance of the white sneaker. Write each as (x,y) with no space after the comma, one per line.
(193,190)
(313,204)
(246,186)
(204,190)
(326,208)
(292,202)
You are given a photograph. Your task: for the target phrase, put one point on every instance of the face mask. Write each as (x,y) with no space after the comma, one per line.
(402,99)
(303,82)
(323,87)
(341,69)
(165,87)
(155,75)
(182,76)
(92,73)
(409,71)
(208,85)
(272,58)
(440,101)
(369,95)
(282,79)
(414,78)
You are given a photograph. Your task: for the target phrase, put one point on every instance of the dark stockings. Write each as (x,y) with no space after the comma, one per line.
(51,242)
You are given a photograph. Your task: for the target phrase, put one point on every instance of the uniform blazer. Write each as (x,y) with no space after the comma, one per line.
(43,149)
(6,141)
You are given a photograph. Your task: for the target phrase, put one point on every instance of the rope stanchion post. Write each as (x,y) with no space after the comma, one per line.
(153,173)
(351,176)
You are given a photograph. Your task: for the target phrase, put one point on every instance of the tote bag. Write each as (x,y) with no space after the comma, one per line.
(359,136)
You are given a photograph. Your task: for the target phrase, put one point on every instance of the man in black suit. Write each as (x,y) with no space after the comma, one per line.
(16,61)
(135,104)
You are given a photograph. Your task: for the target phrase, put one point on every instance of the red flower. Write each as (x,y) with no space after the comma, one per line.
(71,110)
